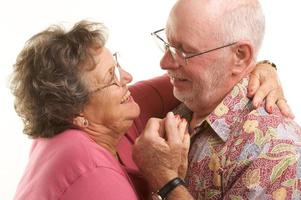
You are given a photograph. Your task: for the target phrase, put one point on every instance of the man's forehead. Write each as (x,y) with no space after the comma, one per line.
(192,30)
(188,37)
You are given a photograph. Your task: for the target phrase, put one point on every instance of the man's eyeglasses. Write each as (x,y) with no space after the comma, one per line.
(117,75)
(178,55)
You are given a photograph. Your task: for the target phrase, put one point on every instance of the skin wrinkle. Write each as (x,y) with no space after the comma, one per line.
(201,83)
(172,25)
(108,118)
(208,75)
(196,34)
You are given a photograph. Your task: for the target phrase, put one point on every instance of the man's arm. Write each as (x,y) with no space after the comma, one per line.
(180,192)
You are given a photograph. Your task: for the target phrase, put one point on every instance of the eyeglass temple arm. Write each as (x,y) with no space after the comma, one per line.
(155,34)
(211,50)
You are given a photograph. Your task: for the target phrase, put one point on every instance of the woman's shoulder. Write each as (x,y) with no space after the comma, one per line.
(74,147)
(58,163)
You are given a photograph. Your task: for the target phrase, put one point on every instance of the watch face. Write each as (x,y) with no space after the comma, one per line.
(156,197)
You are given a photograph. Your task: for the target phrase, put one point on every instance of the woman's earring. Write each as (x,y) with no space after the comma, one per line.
(85,122)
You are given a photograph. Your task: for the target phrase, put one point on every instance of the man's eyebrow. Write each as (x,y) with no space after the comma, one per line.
(184,47)
(180,46)
(189,48)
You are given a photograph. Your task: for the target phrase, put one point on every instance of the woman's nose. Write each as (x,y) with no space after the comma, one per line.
(126,77)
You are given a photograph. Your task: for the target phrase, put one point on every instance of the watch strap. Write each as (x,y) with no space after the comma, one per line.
(268,62)
(168,187)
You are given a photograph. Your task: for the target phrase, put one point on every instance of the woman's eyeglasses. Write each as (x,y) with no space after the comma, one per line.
(116,73)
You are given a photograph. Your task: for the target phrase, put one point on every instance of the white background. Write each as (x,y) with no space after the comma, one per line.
(130,23)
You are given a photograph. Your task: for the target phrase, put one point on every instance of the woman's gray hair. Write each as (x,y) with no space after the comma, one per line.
(47,80)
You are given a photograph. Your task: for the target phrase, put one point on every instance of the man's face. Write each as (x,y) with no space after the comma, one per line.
(200,82)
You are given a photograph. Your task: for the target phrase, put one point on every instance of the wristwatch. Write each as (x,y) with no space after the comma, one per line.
(167,188)
(268,62)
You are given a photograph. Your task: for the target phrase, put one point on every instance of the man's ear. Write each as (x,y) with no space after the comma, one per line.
(243,58)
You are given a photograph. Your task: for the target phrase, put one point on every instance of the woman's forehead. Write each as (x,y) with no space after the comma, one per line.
(104,61)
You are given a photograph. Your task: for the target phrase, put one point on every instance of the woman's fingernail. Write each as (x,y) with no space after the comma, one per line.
(255,104)
(170,114)
(271,109)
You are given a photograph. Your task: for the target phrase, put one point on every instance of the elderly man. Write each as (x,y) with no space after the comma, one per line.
(237,151)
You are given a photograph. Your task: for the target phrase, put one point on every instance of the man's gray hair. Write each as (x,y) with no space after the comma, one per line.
(244,22)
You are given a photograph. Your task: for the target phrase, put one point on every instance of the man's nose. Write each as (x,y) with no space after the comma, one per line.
(168,62)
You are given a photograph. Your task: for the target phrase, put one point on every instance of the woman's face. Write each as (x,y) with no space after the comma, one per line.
(110,104)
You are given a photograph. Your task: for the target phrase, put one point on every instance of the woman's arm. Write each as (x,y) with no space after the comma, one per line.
(154,96)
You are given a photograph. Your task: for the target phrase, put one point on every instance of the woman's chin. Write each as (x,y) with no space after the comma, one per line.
(134,111)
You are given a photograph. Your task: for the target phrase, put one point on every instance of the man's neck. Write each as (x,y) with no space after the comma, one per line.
(196,120)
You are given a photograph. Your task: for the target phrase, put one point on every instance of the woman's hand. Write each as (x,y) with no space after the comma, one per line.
(265,84)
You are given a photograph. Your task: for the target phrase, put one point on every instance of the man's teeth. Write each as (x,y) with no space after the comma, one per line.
(126,97)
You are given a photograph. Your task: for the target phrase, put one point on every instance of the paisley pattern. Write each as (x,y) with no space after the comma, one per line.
(239,152)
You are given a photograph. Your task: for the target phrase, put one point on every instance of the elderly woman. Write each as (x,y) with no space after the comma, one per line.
(73,98)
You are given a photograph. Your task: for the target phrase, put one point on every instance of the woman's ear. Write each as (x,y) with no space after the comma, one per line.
(80,121)
(243,58)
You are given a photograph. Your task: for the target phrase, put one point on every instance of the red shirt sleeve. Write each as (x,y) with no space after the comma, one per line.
(155,98)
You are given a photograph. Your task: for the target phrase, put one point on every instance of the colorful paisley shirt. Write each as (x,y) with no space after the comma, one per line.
(239,152)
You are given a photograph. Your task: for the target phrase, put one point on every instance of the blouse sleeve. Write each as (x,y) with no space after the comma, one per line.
(155,98)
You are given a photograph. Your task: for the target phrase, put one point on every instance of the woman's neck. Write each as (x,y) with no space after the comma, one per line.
(104,136)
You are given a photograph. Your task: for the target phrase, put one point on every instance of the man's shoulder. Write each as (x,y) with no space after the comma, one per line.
(262,124)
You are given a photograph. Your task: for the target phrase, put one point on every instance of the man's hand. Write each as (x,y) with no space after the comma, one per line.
(161,151)
(264,83)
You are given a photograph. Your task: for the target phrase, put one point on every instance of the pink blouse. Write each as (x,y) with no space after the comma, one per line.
(71,166)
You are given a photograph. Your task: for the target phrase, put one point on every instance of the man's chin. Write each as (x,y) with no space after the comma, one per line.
(181,96)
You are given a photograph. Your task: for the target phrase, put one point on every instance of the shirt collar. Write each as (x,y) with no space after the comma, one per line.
(226,115)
